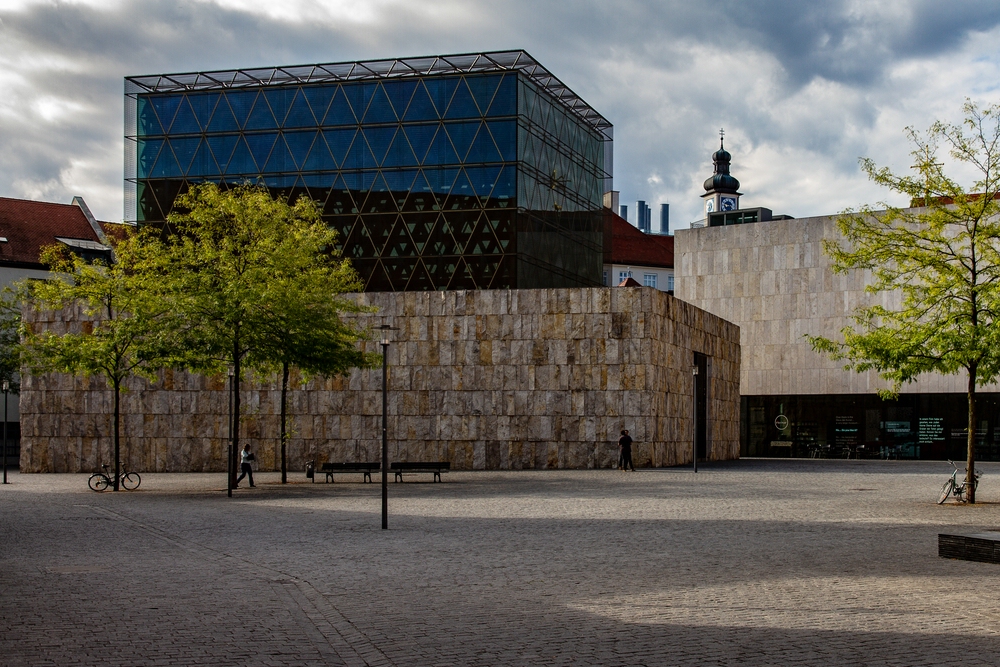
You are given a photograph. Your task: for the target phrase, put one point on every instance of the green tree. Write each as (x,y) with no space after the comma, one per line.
(941,261)
(125,335)
(255,283)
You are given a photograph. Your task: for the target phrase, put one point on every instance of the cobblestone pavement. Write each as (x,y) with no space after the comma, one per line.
(746,563)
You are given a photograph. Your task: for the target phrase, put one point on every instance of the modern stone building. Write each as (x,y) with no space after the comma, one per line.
(487,379)
(773,279)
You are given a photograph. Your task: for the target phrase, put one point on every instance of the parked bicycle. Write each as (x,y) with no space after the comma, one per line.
(101,481)
(958,489)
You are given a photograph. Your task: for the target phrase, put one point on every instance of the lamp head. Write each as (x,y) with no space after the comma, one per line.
(385,329)
(694,370)
(6,385)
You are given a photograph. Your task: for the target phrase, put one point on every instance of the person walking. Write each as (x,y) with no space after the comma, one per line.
(245,468)
(625,451)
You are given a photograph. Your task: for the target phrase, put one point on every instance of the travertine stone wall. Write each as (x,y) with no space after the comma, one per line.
(774,280)
(490,379)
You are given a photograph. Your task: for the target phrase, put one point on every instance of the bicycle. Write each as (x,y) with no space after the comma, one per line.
(100,481)
(953,487)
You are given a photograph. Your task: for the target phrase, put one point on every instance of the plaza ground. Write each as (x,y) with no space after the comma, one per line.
(746,563)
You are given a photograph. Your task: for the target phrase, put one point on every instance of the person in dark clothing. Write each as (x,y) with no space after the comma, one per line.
(625,452)
(245,467)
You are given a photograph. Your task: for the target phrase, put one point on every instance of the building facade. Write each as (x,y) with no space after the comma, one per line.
(453,172)
(486,379)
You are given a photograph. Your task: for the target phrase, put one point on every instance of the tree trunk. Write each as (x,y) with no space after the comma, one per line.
(970,463)
(118,471)
(284,416)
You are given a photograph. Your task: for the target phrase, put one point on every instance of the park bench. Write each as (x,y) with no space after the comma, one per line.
(436,467)
(367,468)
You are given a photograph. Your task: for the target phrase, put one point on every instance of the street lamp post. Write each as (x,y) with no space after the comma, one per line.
(694,414)
(6,388)
(385,329)
(229,448)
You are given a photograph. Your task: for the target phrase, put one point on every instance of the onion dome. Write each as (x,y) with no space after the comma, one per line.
(721,181)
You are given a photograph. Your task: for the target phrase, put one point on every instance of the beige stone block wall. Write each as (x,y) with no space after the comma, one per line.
(775,282)
(499,379)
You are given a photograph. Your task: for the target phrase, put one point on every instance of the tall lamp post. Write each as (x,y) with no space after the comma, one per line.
(229,448)
(694,414)
(385,329)
(6,388)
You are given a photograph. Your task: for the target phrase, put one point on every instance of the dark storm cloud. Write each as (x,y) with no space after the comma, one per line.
(667,74)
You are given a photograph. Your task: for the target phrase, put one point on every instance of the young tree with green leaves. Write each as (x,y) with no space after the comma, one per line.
(125,336)
(255,283)
(942,259)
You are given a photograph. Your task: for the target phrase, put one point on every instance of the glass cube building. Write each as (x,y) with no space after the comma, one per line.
(476,171)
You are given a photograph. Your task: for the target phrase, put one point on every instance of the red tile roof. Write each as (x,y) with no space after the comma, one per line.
(624,244)
(30,225)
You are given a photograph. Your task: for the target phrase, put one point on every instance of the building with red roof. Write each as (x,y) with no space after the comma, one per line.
(629,253)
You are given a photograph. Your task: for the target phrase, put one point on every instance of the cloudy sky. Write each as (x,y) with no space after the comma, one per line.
(802,88)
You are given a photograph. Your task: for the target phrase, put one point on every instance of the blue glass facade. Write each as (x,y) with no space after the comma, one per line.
(433,181)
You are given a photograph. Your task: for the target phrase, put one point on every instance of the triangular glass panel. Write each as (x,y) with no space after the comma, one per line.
(482,269)
(441,91)
(483,149)
(379,109)
(148,123)
(421,107)
(359,156)
(280,160)
(319,98)
(462,135)
(342,224)
(420,226)
(279,182)
(420,281)
(261,117)
(463,195)
(339,112)
(204,163)
(184,149)
(379,226)
(420,138)
(462,225)
(146,151)
(399,243)
(505,277)
(440,180)
(380,198)
(504,133)
(203,105)
(400,154)
(261,144)
(483,179)
(242,103)
(483,87)
(462,278)
(223,119)
(358,96)
(340,201)
(359,244)
(399,92)
(505,100)
(421,196)
(184,121)
(482,241)
(166,164)
(462,105)
(299,113)
(441,242)
(440,269)
(399,270)
(441,151)
(379,139)
(339,142)
(319,156)
(505,188)
(279,99)
(241,161)
(504,229)
(165,108)
(378,281)
(299,144)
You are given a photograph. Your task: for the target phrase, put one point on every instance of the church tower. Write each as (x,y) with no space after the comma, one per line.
(721,188)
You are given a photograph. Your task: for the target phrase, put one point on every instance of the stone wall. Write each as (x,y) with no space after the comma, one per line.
(489,379)
(774,280)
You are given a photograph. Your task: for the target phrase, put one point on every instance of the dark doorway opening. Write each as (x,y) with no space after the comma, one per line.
(701,405)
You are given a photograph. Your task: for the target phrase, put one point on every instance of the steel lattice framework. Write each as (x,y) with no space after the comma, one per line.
(496,61)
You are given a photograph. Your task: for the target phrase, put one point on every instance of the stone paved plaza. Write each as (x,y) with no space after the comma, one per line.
(747,563)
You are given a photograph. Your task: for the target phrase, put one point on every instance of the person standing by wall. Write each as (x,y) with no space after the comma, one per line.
(246,469)
(625,451)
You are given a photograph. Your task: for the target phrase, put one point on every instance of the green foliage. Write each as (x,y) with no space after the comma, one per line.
(10,340)
(942,260)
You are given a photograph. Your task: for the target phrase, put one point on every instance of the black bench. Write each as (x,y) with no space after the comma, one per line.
(436,467)
(366,468)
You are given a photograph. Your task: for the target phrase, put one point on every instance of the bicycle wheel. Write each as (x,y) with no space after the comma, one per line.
(99,481)
(946,490)
(131,481)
